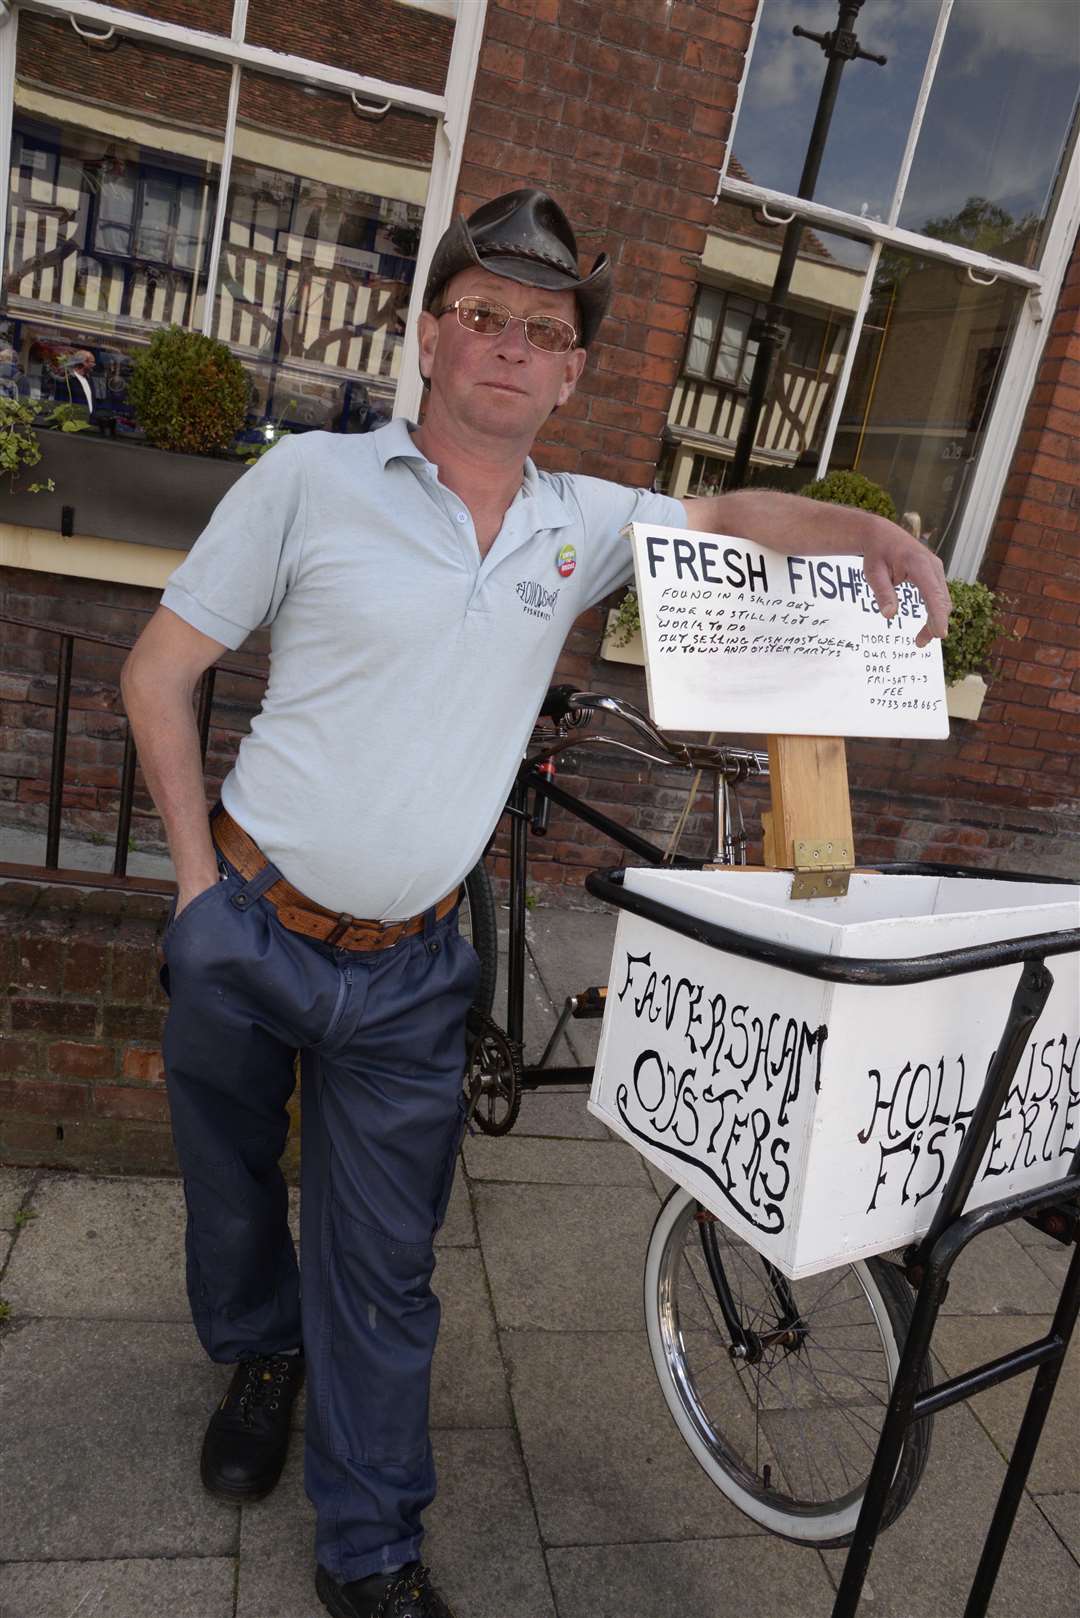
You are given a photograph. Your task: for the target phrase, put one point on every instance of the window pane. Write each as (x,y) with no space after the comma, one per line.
(705,417)
(873,108)
(114,169)
(212,16)
(924,378)
(996,125)
(703,331)
(319,251)
(399,41)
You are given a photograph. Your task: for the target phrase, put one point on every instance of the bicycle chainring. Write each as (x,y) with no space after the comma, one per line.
(492,1076)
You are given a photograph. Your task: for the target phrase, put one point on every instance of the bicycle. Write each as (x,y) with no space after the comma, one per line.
(789,1430)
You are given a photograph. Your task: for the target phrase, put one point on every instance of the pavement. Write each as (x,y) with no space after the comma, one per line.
(565,1490)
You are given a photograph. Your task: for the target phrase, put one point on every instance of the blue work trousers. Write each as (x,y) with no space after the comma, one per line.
(381,1035)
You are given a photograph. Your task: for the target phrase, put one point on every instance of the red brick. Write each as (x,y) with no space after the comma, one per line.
(36,1096)
(120,1101)
(143,1063)
(53,1016)
(85,967)
(18,1055)
(76,1061)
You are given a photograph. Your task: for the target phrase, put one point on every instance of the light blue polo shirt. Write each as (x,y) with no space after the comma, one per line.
(405,673)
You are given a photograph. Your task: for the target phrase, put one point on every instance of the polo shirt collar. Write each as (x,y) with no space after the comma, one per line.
(546,510)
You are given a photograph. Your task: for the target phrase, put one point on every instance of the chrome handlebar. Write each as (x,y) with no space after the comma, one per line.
(733,763)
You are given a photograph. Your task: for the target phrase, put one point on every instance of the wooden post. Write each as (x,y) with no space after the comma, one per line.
(809,824)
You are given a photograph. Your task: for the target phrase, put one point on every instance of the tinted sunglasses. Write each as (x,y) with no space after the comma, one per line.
(488,319)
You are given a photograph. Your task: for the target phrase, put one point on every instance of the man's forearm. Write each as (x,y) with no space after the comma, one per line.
(795,525)
(790,523)
(167,740)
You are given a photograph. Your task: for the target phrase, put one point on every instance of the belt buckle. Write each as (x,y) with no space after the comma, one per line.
(339,929)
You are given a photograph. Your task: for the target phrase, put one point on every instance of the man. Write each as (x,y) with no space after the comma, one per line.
(407,668)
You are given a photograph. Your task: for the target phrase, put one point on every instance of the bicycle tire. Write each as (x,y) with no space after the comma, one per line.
(741,1448)
(477,920)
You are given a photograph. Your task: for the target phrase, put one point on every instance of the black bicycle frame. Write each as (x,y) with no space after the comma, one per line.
(532,780)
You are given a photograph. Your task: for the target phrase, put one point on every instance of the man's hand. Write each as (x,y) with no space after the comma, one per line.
(191,890)
(796,526)
(890,557)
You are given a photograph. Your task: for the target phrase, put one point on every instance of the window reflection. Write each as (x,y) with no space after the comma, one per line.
(319,252)
(873,109)
(710,396)
(115,160)
(923,382)
(399,41)
(999,112)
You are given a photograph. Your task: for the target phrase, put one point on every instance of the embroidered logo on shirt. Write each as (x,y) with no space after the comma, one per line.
(566,561)
(537,601)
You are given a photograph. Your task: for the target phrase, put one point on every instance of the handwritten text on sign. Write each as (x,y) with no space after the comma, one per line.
(741,638)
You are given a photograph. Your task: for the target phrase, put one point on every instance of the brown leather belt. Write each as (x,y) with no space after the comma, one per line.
(303,915)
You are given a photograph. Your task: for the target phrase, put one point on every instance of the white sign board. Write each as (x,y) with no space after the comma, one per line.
(738,638)
(820,1121)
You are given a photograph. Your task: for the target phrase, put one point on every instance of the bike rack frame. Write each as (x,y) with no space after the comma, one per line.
(1055,1207)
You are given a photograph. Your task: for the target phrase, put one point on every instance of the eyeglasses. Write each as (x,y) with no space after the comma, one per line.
(488,319)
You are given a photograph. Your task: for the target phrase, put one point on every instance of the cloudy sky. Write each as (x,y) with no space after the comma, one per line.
(998,114)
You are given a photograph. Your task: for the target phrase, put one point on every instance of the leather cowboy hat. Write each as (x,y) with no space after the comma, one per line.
(526,237)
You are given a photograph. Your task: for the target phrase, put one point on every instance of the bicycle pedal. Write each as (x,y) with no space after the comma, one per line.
(588,1004)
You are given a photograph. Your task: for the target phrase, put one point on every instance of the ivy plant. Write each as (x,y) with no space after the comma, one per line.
(627,620)
(974,625)
(19,446)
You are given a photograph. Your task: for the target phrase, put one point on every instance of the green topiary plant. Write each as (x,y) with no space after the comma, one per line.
(851,489)
(188,392)
(974,625)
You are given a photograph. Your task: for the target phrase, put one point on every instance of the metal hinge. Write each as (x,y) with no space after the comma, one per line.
(822,868)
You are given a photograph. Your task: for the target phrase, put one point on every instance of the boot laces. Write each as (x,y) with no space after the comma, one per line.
(263,1384)
(411,1595)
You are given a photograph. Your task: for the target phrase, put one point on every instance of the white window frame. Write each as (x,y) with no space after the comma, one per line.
(1042,288)
(448,111)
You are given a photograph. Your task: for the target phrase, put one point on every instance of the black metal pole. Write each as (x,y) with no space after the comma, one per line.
(515,977)
(59,750)
(840,47)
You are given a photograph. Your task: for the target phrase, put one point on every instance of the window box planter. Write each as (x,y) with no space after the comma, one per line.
(120,490)
(964,700)
(630,651)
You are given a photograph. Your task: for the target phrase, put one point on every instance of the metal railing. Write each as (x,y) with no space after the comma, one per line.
(61,709)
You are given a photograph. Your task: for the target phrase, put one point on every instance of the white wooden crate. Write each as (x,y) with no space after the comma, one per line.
(819,1121)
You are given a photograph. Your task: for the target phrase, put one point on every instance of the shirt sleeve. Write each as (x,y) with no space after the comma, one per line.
(606,509)
(236,574)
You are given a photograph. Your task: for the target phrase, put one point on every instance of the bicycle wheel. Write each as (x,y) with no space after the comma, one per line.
(790,1432)
(476,920)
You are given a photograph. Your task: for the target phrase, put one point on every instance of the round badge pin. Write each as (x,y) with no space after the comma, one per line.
(566,561)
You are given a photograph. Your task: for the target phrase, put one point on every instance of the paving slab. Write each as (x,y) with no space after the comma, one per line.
(605,1460)
(1053,1261)
(553,1162)
(996,1275)
(1062,1511)
(14,1184)
(459,1227)
(101,1249)
(962,1343)
(103,1421)
(559,1114)
(565,1258)
(571,950)
(481,1539)
(183,1587)
(715,1578)
(923,1565)
(468,1381)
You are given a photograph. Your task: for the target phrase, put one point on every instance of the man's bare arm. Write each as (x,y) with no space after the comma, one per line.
(158,683)
(793,524)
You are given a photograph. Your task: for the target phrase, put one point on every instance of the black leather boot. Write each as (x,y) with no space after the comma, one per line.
(409,1593)
(248,1436)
